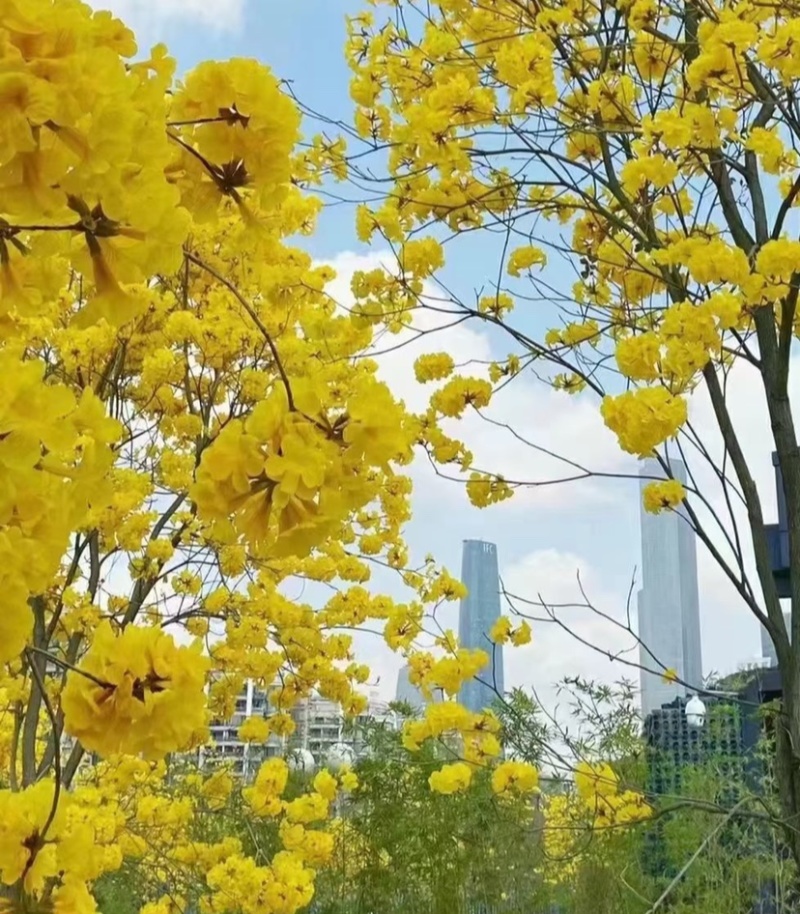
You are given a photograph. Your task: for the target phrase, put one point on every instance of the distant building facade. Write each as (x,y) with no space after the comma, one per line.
(407,692)
(668,603)
(478,612)
(321,725)
(225,747)
(675,750)
(767,647)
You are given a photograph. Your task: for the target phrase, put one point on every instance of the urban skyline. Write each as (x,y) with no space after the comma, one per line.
(668,602)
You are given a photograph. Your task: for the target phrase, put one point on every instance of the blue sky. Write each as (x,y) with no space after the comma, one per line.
(546,535)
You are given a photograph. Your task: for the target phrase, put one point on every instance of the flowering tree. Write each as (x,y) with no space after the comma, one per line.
(187,421)
(649,148)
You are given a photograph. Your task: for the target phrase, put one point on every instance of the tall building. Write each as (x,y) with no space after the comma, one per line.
(767,647)
(668,603)
(226,747)
(321,725)
(478,612)
(407,692)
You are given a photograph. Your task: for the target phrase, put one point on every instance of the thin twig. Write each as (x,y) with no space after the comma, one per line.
(69,666)
(702,846)
(253,315)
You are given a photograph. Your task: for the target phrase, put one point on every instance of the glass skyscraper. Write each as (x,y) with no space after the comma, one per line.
(407,692)
(668,603)
(478,612)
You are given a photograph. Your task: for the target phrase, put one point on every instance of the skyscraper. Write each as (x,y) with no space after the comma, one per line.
(477,614)
(407,692)
(768,651)
(668,603)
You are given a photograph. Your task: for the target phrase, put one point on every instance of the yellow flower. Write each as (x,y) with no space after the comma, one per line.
(484,489)
(264,796)
(421,257)
(311,807)
(513,775)
(637,356)
(521,635)
(460,393)
(644,418)
(242,117)
(593,780)
(433,367)
(136,692)
(525,258)
(453,778)
(254,730)
(348,781)
(501,630)
(217,789)
(660,495)
(326,785)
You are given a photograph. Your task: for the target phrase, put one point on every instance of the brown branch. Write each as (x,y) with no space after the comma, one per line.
(31,725)
(57,748)
(774,616)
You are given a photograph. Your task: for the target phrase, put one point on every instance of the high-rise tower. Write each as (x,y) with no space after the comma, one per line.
(668,603)
(407,692)
(478,612)
(768,651)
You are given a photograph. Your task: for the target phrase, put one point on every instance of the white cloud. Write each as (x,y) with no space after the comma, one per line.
(579,626)
(722,608)
(600,520)
(144,15)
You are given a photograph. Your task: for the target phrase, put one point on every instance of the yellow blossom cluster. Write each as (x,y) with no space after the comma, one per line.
(188,423)
(660,495)
(592,147)
(597,787)
(452,778)
(503,631)
(597,807)
(515,777)
(136,692)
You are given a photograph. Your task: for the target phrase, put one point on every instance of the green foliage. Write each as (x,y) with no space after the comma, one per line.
(427,852)
(407,850)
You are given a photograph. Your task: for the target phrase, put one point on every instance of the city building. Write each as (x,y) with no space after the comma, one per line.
(767,647)
(321,730)
(778,543)
(679,745)
(322,727)
(723,735)
(407,692)
(225,747)
(778,537)
(668,603)
(478,612)
(676,742)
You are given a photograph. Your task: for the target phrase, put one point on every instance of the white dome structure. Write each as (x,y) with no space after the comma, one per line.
(301,760)
(339,756)
(695,711)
